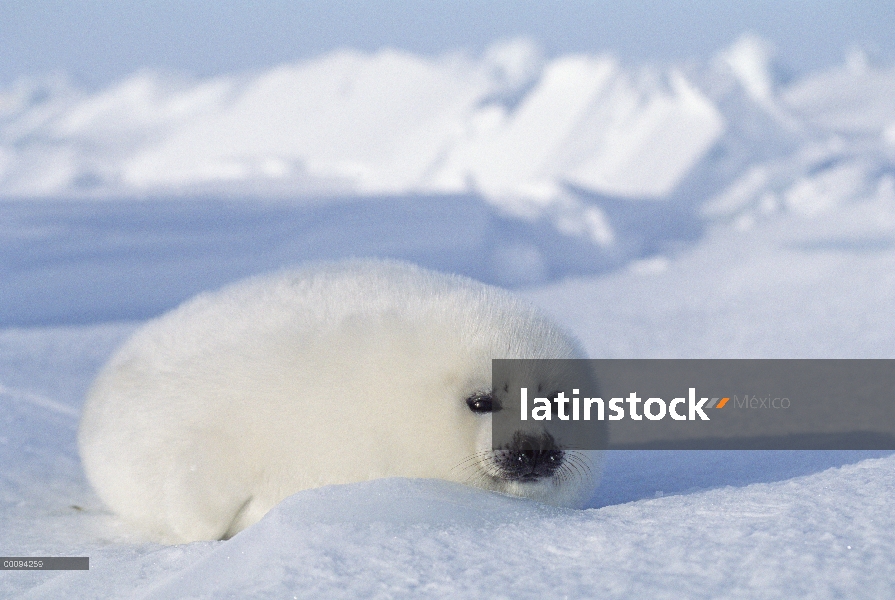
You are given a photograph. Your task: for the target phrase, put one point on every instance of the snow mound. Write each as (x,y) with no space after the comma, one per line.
(820,536)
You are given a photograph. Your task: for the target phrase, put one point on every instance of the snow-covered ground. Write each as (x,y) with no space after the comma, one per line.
(715,210)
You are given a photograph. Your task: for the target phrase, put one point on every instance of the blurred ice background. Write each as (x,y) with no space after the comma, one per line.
(680,179)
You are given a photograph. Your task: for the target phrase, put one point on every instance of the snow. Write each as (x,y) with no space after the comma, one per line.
(410,538)
(715,211)
(381,123)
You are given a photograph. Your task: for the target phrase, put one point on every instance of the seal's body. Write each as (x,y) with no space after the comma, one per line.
(213,413)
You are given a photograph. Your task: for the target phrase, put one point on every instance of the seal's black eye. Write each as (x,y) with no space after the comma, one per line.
(482,403)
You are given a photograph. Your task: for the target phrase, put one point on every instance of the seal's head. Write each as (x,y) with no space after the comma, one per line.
(530,460)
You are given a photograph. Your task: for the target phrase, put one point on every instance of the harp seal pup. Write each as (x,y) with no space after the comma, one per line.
(211,414)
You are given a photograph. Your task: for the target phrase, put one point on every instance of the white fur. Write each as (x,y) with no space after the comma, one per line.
(213,413)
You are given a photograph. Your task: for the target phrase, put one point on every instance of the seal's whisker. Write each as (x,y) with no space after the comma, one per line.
(471,459)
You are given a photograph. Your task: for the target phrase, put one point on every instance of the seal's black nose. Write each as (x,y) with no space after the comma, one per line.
(530,457)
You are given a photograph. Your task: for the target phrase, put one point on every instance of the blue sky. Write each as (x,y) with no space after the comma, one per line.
(97,41)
